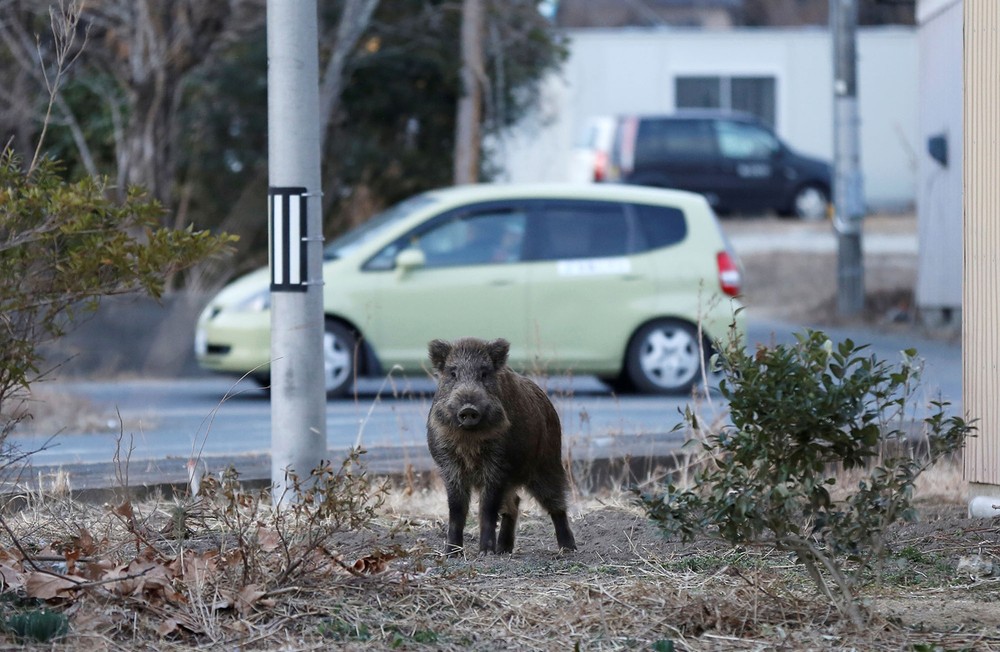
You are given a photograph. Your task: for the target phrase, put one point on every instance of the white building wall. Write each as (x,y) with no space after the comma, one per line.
(939,188)
(632,71)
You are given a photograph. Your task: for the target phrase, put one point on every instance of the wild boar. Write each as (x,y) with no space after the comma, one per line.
(493,430)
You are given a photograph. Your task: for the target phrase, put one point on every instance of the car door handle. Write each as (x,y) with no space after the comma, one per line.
(500,282)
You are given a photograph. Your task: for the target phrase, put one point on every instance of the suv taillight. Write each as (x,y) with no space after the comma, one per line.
(600,166)
(730,277)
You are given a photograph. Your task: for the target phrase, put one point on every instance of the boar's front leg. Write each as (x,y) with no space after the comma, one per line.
(458,510)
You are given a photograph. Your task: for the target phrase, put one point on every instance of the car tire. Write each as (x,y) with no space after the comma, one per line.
(811,202)
(665,357)
(620,384)
(339,356)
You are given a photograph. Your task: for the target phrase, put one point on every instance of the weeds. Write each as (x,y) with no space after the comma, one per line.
(226,551)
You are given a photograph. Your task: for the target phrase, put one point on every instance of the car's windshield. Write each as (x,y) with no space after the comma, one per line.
(376,225)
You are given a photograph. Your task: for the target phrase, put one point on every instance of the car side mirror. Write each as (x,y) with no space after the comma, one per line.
(410,259)
(937,147)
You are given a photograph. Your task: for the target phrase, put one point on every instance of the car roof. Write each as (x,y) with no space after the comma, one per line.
(591,191)
(705,114)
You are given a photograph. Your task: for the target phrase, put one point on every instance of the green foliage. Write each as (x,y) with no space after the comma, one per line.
(65,245)
(392,135)
(342,630)
(396,134)
(798,414)
(37,625)
(663,645)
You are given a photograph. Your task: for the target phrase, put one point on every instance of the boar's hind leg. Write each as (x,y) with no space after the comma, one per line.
(508,523)
(458,510)
(564,535)
(551,495)
(490,501)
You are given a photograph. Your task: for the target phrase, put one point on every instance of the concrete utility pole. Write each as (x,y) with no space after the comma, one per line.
(848,200)
(298,393)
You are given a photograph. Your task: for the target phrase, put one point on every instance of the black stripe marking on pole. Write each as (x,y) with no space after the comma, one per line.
(287,231)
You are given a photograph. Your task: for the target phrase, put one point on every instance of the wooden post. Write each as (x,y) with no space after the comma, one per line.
(981,244)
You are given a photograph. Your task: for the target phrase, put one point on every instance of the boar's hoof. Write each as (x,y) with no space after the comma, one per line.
(469,416)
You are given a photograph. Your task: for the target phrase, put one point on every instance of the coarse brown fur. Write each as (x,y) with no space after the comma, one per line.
(493,430)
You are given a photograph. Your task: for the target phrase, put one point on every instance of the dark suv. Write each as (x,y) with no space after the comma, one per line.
(736,162)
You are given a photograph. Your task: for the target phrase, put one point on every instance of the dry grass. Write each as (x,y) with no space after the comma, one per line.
(44,411)
(384,586)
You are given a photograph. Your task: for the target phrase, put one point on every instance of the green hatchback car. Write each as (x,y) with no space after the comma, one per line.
(627,283)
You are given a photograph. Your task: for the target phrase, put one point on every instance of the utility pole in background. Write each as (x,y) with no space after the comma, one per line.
(848,200)
(298,393)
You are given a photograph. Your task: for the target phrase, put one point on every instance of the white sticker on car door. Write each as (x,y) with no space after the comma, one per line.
(594,267)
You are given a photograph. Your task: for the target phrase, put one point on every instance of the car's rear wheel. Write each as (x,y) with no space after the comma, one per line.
(811,202)
(620,384)
(339,355)
(665,357)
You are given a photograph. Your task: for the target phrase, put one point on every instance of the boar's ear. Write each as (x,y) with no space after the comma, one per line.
(438,350)
(498,350)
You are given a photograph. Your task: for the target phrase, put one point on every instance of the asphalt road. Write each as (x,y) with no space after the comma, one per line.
(158,425)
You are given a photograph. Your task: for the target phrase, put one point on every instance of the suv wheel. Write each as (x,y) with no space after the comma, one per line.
(338,357)
(664,357)
(810,202)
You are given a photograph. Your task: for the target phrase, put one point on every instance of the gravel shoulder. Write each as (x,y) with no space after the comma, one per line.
(790,270)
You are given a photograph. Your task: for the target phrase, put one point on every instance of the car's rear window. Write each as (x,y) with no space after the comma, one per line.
(660,226)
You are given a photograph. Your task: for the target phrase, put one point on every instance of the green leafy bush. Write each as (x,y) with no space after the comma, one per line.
(36,625)
(63,246)
(799,413)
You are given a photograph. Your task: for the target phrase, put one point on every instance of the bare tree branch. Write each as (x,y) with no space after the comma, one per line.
(354,20)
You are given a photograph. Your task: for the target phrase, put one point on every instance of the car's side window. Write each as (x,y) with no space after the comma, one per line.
(745,141)
(659,226)
(476,237)
(674,140)
(567,230)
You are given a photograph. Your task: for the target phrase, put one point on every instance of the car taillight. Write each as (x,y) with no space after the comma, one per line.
(730,277)
(600,166)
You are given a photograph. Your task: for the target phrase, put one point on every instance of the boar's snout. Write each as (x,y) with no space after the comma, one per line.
(469,416)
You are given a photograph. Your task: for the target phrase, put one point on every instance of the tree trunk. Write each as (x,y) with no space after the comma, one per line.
(354,20)
(469,111)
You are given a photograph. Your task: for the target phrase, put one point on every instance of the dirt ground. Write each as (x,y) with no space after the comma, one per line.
(627,587)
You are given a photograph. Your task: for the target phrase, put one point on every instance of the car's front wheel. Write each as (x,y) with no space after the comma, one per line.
(339,355)
(665,357)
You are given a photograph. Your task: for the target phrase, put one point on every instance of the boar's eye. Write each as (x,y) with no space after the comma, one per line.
(453,372)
